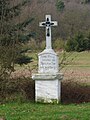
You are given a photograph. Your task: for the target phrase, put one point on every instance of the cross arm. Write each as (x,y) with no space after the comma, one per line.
(42,24)
(54,23)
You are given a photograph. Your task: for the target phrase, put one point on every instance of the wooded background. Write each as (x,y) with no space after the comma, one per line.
(21,36)
(20,31)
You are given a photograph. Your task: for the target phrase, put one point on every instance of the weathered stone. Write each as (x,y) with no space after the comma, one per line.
(48,79)
(48,61)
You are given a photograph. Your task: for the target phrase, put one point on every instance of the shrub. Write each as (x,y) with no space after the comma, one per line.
(59,44)
(22,59)
(88,41)
(70,45)
(20,89)
(81,43)
(60,5)
(78,43)
(23,89)
(75,92)
(85,1)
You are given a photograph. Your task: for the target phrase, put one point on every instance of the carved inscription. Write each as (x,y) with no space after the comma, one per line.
(47,63)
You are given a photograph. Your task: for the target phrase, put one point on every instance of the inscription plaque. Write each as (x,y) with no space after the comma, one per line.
(48,63)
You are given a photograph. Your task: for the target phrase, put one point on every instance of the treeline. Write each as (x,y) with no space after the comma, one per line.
(73,24)
(72,16)
(79,42)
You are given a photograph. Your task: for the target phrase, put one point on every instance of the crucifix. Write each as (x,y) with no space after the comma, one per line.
(48,24)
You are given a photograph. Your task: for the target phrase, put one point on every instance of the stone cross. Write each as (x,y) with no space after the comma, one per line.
(48,79)
(48,24)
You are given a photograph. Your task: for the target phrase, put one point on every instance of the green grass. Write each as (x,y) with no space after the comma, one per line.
(75,64)
(33,111)
(80,59)
(71,59)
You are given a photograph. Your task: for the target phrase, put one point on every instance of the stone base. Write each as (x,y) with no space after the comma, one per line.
(47,88)
(47,91)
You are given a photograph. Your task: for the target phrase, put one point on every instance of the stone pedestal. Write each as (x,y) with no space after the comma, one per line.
(48,80)
(47,87)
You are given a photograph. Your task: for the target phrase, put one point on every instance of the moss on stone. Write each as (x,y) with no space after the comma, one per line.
(47,100)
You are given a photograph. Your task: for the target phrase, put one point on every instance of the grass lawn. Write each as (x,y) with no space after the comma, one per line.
(77,66)
(33,111)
